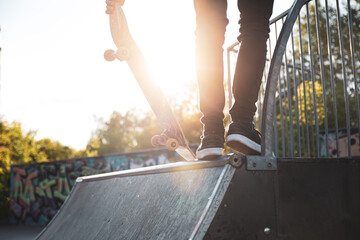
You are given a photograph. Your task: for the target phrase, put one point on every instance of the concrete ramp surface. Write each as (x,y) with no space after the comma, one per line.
(172,201)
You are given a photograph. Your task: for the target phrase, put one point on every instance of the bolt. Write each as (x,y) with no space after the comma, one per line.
(267,231)
(254,164)
(269,165)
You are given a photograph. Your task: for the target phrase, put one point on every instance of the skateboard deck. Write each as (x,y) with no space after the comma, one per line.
(127,50)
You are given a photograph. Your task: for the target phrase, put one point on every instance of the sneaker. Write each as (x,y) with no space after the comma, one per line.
(244,138)
(211,147)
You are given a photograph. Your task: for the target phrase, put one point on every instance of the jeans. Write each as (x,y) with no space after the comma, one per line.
(254,31)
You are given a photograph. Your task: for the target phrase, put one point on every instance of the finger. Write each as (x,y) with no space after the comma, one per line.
(109,10)
(110,2)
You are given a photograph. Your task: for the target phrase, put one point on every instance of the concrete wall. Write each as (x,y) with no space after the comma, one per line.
(38,190)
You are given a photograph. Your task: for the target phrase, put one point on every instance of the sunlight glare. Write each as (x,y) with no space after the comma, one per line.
(167,41)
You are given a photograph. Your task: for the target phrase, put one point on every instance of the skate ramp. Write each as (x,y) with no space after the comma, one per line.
(172,201)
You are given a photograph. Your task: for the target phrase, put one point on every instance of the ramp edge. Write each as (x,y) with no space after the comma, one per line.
(214,202)
(170,167)
(64,205)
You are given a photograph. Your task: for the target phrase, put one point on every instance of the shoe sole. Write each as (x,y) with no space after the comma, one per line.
(243,144)
(209,153)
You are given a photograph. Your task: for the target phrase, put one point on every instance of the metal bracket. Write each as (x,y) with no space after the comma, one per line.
(261,163)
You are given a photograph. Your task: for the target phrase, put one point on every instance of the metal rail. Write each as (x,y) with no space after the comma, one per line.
(310,91)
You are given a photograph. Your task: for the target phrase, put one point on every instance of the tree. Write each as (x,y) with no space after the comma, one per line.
(15,148)
(116,135)
(337,97)
(18,147)
(53,150)
(315,94)
(134,129)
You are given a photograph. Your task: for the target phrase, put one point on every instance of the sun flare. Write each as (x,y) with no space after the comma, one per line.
(172,69)
(167,43)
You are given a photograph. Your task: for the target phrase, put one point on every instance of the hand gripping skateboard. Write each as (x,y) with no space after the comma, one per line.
(127,50)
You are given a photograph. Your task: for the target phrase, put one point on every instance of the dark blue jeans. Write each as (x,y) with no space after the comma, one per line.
(254,30)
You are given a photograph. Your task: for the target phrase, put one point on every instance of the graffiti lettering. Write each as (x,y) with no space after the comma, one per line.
(38,190)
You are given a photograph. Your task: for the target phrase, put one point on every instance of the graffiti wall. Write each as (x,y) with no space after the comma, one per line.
(38,190)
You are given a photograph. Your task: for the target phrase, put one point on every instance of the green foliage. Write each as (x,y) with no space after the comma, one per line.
(134,129)
(18,147)
(118,134)
(316,78)
(333,70)
(305,92)
(53,150)
(14,145)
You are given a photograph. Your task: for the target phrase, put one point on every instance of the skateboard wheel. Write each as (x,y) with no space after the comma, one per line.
(172,144)
(158,140)
(123,53)
(155,140)
(162,140)
(109,55)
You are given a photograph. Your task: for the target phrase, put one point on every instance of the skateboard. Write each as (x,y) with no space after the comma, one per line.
(127,50)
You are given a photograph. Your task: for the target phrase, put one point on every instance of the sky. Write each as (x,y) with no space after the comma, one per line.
(53,76)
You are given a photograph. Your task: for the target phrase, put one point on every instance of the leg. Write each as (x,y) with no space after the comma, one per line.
(254,32)
(211,23)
